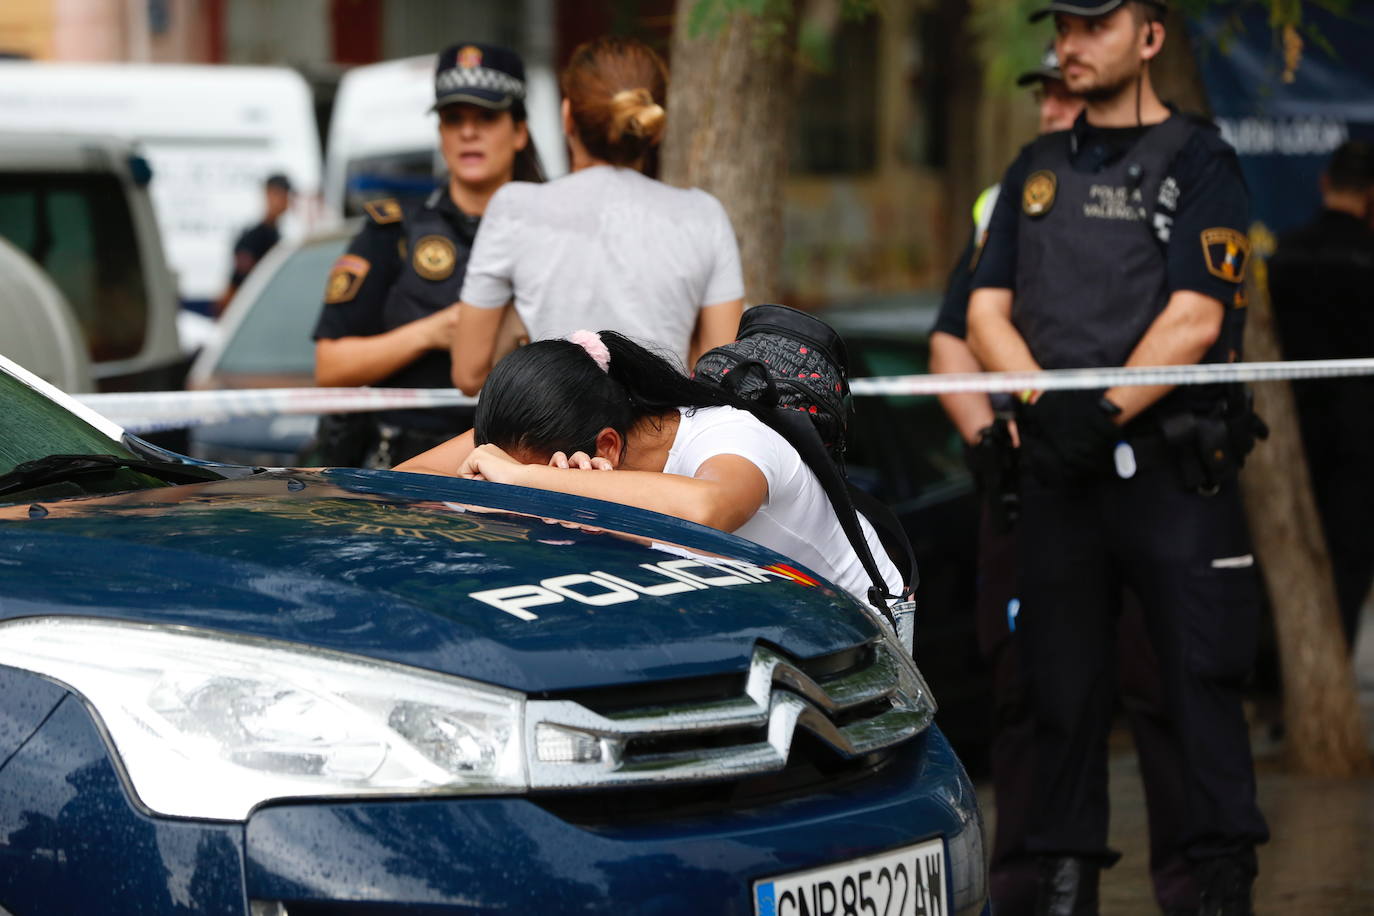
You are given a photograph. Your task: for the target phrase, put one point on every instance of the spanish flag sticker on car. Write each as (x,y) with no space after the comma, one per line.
(796,575)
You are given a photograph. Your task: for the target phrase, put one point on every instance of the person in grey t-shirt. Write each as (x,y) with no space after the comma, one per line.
(605,246)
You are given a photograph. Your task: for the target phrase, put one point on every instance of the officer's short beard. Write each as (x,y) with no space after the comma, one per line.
(1111,87)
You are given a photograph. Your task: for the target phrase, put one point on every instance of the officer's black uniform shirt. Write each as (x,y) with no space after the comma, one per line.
(1321,282)
(953,316)
(375,287)
(1211,193)
(252,244)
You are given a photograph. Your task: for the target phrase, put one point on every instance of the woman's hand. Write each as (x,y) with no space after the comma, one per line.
(581,461)
(487,462)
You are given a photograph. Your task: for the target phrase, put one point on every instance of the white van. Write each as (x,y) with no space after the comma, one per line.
(77,206)
(384,140)
(41,332)
(212,134)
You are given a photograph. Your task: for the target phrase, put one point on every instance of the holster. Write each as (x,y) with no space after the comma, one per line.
(993,462)
(1209,446)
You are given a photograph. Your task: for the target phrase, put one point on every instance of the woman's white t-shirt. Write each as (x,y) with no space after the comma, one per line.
(605,248)
(796,518)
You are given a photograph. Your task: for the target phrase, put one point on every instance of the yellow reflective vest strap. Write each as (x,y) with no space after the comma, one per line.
(982,210)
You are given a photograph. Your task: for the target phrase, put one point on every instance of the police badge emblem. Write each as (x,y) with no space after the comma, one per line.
(434,257)
(345,279)
(1226,252)
(1038,194)
(469,57)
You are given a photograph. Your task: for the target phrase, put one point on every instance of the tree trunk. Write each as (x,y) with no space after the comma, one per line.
(729,109)
(1175,72)
(1324,728)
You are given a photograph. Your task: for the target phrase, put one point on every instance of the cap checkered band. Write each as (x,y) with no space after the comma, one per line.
(457,79)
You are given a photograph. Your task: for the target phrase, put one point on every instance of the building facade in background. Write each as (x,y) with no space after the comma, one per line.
(885,157)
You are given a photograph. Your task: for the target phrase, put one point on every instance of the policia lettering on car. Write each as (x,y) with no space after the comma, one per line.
(600,588)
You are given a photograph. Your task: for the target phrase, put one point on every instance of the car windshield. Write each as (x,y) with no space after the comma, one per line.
(33,427)
(274,336)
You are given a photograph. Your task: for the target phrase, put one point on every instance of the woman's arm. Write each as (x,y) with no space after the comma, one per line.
(442,460)
(349,361)
(725,493)
(474,346)
(716,326)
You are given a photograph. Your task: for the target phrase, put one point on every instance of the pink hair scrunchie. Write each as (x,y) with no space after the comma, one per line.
(596,349)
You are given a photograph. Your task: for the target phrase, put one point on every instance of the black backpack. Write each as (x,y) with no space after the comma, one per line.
(792,370)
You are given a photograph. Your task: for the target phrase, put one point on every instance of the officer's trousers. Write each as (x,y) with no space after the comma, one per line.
(1187,557)
(1013,873)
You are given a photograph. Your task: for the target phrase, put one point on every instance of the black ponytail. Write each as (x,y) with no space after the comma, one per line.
(551,396)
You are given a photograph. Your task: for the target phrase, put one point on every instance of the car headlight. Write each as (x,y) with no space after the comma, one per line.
(209,726)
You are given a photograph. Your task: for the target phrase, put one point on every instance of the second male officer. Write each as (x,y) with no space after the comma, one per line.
(389,307)
(1321,282)
(1121,242)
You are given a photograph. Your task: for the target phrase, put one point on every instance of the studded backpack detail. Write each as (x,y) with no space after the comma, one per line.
(789,359)
(792,370)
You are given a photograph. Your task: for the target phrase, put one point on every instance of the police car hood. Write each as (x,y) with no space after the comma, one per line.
(499,584)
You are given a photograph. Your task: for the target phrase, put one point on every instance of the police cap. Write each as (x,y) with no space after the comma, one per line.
(479,74)
(1089,8)
(1047,69)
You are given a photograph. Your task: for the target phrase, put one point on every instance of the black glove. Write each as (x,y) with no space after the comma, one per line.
(1070,436)
(985,456)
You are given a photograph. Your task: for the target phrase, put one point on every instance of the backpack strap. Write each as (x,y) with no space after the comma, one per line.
(799,432)
(885,521)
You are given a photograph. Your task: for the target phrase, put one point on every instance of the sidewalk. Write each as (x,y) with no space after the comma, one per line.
(1320,858)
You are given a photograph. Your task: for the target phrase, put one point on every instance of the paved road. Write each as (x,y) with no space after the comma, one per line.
(1321,855)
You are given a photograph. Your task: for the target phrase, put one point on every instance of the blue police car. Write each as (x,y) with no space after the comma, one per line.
(229,690)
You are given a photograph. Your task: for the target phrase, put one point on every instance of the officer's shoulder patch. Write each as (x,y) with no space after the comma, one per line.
(387,210)
(345,278)
(1037,195)
(1226,251)
(435,257)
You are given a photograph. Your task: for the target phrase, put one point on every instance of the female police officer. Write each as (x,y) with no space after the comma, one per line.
(389,315)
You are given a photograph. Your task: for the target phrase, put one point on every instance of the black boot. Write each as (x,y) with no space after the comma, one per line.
(1225,884)
(1068,887)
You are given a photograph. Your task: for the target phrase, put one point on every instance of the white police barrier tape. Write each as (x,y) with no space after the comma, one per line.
(150,411)
(1090,379)
(141,412)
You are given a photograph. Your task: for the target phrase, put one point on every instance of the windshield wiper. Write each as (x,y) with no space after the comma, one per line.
(58,468)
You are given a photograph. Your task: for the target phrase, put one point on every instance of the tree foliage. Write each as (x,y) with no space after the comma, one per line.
(1005,43)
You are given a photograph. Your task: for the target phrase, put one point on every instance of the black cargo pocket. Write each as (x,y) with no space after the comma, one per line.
(1222,619)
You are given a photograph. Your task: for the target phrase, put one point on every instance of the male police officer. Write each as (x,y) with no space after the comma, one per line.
(1120,242)
(1321,282)
(1012,872)
(390,311)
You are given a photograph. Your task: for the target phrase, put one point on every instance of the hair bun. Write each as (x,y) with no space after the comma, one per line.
(635,112)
